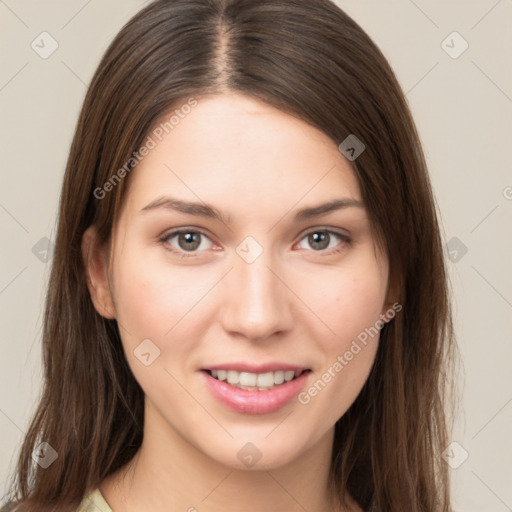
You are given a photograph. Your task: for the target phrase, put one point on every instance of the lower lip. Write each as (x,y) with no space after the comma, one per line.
(255,402)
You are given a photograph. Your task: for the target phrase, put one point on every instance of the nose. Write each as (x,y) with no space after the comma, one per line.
(256,301)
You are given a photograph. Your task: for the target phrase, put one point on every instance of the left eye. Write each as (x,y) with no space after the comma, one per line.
(320,240)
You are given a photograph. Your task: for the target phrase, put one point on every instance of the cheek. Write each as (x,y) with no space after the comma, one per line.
(153,306)
(167,305)
(347,300)
(360,304)
(350,304)
(151,297)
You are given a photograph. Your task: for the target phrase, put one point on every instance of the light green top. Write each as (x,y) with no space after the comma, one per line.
(94,502)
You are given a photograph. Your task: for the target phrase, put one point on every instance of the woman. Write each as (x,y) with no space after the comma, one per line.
(248,302)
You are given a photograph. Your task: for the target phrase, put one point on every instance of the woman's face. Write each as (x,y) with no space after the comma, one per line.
(252,287)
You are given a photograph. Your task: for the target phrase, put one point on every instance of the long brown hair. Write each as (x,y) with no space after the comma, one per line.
(307,58)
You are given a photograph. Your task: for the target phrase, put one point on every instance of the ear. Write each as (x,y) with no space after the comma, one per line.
(95,258)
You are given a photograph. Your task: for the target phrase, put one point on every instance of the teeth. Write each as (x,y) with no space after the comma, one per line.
(248,379)
(265,380)
(252,381)
(279,377)
(233,377)
(289,375)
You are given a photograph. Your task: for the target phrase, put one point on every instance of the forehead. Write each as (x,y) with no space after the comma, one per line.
(234,150)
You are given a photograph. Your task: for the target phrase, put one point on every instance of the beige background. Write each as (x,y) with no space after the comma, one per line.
(462,107)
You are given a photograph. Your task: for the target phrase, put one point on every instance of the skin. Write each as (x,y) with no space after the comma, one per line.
(295,303)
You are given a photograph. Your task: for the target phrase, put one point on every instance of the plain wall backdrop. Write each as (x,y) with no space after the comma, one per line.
(451,60)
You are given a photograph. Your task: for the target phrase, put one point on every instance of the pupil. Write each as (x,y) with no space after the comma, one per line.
(319,240)
(189,238)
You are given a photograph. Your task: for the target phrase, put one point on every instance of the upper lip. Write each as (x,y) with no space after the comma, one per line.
(257,368)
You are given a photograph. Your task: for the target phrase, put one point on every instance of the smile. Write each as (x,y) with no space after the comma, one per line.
(253,392)
(255,381)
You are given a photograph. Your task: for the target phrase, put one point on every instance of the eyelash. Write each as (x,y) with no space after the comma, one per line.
(184,254)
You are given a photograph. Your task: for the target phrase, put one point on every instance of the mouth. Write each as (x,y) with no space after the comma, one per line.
(256,381)
(264,390)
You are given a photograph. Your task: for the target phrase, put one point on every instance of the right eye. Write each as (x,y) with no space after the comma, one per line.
(185,241)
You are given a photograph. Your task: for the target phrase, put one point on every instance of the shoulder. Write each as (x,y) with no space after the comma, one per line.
(8,506)
(93,502)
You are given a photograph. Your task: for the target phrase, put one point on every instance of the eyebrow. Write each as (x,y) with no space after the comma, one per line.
(206,210)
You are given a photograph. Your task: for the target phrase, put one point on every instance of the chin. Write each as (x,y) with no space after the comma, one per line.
(251,453)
